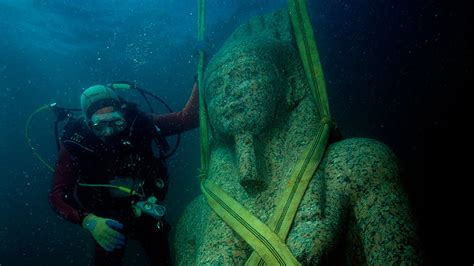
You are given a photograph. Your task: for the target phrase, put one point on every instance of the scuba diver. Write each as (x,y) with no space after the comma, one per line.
(111,174)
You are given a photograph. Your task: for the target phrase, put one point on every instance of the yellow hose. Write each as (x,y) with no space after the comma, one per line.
(121,188)
(37,155)
(28,139)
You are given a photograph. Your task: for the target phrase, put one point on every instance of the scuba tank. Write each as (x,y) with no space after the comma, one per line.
(141,204)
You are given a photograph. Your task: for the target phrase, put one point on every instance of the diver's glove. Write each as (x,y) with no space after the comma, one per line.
(104,232)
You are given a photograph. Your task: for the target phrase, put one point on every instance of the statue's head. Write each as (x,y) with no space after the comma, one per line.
(244,86)
(253,77)
(252,87)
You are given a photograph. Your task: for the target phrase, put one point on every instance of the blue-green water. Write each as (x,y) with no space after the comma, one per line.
(386,63)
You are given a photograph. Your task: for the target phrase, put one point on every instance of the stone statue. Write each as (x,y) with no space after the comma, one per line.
(262,116)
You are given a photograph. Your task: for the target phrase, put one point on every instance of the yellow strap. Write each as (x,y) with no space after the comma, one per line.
(302,173)
(268,241)
(203,118)
(261,238)
(201,19)
(309,53)
(307,165)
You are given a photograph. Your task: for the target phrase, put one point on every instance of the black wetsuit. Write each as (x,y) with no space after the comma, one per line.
(130,157)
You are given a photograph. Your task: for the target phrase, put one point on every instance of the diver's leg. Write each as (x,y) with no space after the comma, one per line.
(104,258)
(155,242)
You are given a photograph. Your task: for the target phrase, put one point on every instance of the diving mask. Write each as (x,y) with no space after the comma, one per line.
(107,124)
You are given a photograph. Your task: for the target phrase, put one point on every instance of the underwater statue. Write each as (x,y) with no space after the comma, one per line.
(262,116)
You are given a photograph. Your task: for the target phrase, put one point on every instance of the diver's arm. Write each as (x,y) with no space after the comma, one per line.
(178,122)
(62,189)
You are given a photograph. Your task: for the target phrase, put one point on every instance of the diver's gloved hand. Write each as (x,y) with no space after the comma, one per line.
(104,232)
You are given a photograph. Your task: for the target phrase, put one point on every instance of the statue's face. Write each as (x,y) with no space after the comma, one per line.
(242,95)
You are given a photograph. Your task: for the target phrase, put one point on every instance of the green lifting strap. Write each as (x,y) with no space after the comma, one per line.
(268,240)
(203,118)
(309,53)
(287,205)
(256,233)
(285,212)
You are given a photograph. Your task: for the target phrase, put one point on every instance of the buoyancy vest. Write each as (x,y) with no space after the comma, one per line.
(126,160)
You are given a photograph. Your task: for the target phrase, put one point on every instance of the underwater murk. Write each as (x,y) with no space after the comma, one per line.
(319,126)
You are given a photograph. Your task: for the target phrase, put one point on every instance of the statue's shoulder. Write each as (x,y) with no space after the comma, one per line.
(361,162)
(191,217)
(358,147)
(196,206)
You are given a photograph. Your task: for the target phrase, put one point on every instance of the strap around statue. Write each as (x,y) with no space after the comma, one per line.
(268,241)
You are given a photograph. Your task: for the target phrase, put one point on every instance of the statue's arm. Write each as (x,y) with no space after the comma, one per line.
(187,232)
(381,207)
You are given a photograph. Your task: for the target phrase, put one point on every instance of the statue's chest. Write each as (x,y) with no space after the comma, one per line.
(309,223)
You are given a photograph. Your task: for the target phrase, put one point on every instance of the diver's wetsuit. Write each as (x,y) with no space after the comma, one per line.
(85,159)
